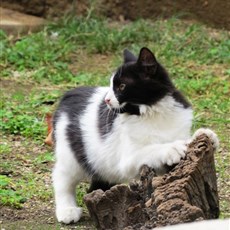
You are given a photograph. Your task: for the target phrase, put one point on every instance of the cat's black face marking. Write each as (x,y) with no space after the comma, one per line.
(143,81)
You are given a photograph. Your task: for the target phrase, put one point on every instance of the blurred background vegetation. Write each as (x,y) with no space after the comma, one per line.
(84,48)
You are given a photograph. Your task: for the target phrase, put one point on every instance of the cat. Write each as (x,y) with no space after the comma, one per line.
(107,133)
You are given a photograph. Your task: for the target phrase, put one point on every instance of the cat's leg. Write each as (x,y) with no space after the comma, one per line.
(171,153)
(97,183)
(65,180)
(159,155)
(211,135)
(156,156)
(66,174)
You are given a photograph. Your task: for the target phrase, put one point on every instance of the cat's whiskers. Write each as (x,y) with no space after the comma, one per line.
(104,111)
(107,120)
(121,109)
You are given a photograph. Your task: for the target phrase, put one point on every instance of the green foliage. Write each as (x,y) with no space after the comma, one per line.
(169,39)
(47,52)
(15,122)
(194,43)
(3,43)
(36,50)
(18,117)
(8,195)
(44,55)
(90,79)
(81,191)
(44,158)
(25,114)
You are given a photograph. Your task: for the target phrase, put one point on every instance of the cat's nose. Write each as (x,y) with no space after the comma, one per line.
(107,101)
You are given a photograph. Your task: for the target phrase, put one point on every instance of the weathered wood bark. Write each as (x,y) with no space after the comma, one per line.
(188,192)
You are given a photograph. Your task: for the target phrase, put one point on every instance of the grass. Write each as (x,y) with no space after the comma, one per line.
(37,68)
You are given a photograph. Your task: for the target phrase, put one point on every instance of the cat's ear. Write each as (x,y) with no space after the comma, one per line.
(147,60)
(129,57)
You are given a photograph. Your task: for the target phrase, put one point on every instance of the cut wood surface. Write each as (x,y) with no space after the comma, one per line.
(187,193)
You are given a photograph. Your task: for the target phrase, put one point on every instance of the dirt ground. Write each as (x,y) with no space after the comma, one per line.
(43,219)
(36,213)
(211,12)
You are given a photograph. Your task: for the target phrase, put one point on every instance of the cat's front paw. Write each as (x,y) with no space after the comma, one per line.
(211,135)
(68,215)
(175,153)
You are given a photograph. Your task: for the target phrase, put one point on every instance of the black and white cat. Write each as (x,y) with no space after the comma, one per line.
(107,133)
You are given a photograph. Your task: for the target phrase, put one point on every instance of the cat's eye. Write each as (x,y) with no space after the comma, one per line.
(122,87)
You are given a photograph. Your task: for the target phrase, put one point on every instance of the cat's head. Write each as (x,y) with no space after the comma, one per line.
(139,81)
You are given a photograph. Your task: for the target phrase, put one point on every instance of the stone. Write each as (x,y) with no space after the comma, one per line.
(13,22)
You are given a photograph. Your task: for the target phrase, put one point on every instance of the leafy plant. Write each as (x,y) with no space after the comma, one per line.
(8,195)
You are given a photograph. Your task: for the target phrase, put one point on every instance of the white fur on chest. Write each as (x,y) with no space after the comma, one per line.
(152,129)
(165,122)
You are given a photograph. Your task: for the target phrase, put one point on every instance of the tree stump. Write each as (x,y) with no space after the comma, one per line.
(188,192)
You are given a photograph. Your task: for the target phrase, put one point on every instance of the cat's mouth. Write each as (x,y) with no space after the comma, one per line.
(116,106)
(113,103)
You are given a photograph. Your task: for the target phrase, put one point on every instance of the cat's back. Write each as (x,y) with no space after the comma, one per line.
(76,101)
